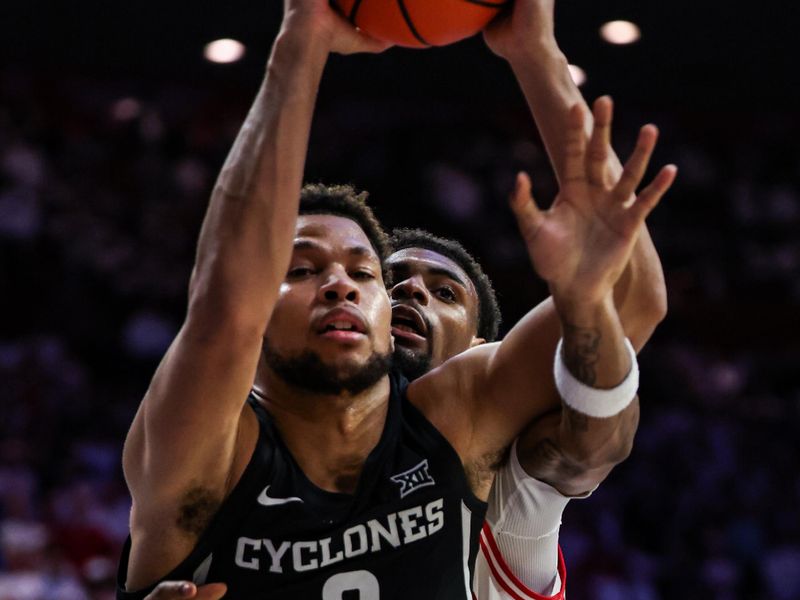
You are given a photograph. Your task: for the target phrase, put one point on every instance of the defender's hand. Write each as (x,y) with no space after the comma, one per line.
(581,245)
(527,26)
(178,590)
(319,19)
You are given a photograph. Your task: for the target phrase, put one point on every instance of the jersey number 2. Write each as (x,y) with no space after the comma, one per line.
(363,582)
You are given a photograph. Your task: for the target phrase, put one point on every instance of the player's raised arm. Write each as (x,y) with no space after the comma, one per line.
(580,247)
(526,39)
(188,434)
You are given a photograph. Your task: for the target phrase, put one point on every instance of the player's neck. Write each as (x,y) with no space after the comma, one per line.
(344,429)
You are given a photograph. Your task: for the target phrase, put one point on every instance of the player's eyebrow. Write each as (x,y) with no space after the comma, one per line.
(361,251)
(447,273)
(307,244)
(357,250)
(403,267)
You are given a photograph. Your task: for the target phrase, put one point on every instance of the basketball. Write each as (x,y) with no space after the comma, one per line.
(420,23)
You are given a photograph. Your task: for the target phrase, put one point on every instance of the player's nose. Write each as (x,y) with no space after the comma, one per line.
(338,286)
(413,287)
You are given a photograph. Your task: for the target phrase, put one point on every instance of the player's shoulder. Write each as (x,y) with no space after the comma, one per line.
(453,378)
(444,395)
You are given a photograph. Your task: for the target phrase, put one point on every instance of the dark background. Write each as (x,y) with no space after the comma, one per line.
(99,213)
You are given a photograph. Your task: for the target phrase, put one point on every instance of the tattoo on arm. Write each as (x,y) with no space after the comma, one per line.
(578,420)
(546,461)
(579,351)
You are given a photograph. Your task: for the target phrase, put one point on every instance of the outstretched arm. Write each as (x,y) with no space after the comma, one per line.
(526,39)
(580,247)
(191,432)
(566,448)
(570,450)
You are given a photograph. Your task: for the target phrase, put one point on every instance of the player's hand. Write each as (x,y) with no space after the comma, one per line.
(526,27)
(581,245)
(318,18)
(179,590)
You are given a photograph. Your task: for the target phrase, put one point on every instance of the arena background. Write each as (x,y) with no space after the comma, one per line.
(112,129)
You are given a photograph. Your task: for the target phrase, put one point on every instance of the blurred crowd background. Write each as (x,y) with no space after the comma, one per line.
(104,179)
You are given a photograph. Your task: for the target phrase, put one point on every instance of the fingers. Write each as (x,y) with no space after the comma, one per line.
(367,43)
(352,40)
(650,196)
(600,142)
(528,215)
(575,148)
(177,590)
(167,590)
(636,166)
(211,591)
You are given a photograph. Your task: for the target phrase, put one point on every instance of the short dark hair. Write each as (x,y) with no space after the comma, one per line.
(489,316)
(345,201)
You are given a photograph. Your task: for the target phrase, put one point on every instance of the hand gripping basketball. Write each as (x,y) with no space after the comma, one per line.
(315,19)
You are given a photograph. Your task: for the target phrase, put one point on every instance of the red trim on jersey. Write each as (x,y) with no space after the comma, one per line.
(493,554)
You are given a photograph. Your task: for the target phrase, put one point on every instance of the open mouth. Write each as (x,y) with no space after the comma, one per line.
(408,326)
(340,326)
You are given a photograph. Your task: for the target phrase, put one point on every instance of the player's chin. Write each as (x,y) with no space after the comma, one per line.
(412,351)
(412,362)
(348,366)
(343,352)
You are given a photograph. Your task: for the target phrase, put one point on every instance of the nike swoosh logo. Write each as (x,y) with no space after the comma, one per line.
(265,499)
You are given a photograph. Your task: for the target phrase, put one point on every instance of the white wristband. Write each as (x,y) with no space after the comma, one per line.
(591,401)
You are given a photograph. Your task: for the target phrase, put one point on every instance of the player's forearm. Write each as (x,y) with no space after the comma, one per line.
(574,453)
(640,295)
(245,242)
(542,72)
(520,371)
(593,347)
(570,450)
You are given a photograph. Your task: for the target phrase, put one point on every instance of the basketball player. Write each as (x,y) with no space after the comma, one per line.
(428,272)
(296,491)
(520,556)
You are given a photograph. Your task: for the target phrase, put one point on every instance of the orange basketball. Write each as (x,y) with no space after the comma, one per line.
(420,23)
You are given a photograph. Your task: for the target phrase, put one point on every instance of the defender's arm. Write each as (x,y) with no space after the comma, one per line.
(580,246)
(541,70)
(582,450)
(526,39)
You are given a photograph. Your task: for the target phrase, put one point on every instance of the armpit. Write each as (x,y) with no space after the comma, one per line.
(198,507)
(480,472)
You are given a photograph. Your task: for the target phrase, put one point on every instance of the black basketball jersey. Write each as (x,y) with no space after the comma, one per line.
(410,530)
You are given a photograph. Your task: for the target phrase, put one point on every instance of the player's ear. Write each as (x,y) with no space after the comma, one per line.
(477,341)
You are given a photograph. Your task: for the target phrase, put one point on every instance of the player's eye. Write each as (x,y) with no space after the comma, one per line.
(298,272)
(363,275)
(446,293)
